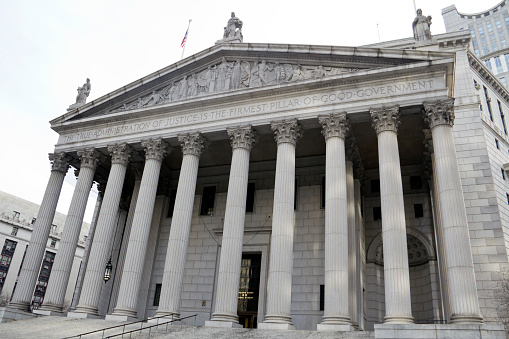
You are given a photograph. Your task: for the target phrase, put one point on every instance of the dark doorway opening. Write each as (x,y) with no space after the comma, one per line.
(249,288)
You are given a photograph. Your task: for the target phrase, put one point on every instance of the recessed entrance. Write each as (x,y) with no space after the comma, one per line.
(249,288)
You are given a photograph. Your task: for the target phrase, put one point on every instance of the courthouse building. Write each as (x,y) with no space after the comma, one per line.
(292,186)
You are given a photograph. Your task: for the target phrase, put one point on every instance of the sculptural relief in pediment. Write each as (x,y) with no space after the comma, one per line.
(230,75)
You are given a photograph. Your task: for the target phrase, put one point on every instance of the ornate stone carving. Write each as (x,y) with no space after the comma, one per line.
(242,137)
(228,76)
(82,96)
(233,30)
(421,26)
(89,157)
(334,125)
(155,149)
(120,153)
(417,252)
(192,143)
(286,131)
(59,162)
(385,119)
(440,112)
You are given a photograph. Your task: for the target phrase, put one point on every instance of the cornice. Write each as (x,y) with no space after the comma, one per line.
(478,66)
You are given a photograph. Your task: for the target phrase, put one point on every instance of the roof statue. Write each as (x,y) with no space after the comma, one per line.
(82,96)
(421,26)
(232,31)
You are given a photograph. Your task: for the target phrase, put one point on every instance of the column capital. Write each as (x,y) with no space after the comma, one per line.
(287,131)
(192,143)
(155,149)
(59,162)
(120,153)
(385,119)
(440,112)
(334,125)
(89,157)
(242,137)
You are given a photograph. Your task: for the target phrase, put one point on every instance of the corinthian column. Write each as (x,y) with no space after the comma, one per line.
(37,246)
(105,230)
(169,302)
(398,308)
(155,151)
(59,278)
(336,316)
(225,311)
(279,294)
(464,302)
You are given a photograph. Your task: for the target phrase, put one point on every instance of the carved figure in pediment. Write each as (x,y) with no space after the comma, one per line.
(223,74)
(183,88)
(320,72)
(192,86)
(153,99)
(173,93)
(255,80)
(298,73)
(235,78)
(421,26)
(83,92)
(245,75)
(262,68)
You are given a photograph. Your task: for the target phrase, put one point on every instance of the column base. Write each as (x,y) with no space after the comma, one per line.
(435,331)
(467,319)
(82,315)
(128,312)
(335,328)
(275,326)
(50,307)
(21,305)
(117,317)
(399,319)
(222,324)
(49,313)
(8,314)
(87,309)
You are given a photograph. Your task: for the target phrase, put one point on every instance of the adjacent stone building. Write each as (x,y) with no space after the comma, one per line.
(294,186)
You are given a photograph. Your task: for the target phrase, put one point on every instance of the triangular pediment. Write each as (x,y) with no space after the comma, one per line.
(236,68)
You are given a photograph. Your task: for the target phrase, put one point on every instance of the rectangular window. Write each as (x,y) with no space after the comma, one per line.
(481,31)
(494,46)
(488,64)
(53,243)
(418,211)
(377,213)
(490,29)
(502,116)
(157,294)
(492,37)
(415,182)
(501,34)
(33,221)
(14,231)
(502,80)
(498,64)
(477,53)
(483,40)
(322,194)
(375,186)
(507,195)
(507,21)
(15,216)
(485,50)
(499,25)
(506,57)
(54,228)
(503,43)
(503,173)
(322,297)
(472,33)
(488,101)
(171,207)
(496,144)
(250,198)
(474,43)
(207,200)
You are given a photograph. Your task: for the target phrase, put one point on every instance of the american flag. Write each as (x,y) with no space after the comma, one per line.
(184,40)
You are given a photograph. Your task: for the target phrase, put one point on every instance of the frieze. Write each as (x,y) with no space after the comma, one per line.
(229,76)
(330,97)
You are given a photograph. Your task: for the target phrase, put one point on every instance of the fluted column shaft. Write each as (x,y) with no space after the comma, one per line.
(169,302)
(398,308)
(37,246)
(155,151)
(59,278)
(105,230)
(242,139)
(279,294)
(464,301)
(336,310)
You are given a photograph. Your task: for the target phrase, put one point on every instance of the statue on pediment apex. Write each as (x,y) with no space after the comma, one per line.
(82,96)
(233,30)
(421,26)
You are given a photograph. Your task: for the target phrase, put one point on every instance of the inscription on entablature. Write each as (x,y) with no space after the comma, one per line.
(303,101)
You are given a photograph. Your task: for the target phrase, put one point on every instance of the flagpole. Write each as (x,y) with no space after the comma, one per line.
(187,36)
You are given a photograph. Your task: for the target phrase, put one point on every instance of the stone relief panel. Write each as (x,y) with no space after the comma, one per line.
(230,75)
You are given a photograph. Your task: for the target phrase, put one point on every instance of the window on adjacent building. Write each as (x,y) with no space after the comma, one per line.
(507,195)
(54,228)
(503,43)
(501,34)
(15,215)
(14,231)
(483,40)
(477,53)
(157,294)
(418,211)
(474,43)
(207,200)
(496,143)
(489,27)
(498,65)
(502,116)
(492,37)
(481,31)
(485,50)
(53,243)
(377,213)
(502,80)
(171,207)
(472,33)
(250,198)
(499,25)
(488,101)
(494,46)
(33,221)
(503,173)
(507,21)
(5,259)
(488,64)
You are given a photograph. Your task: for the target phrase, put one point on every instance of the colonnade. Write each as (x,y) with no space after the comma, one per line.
(338,217)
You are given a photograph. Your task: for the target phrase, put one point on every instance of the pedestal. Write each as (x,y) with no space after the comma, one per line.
(222,324)
(464,331)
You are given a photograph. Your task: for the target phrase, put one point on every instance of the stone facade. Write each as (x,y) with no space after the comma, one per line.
(311,187)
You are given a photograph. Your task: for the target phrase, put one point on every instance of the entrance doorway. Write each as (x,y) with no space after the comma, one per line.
(249,288)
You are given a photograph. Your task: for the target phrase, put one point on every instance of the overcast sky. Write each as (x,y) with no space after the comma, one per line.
(49,48)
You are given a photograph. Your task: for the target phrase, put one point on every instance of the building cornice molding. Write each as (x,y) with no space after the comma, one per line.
(478,66)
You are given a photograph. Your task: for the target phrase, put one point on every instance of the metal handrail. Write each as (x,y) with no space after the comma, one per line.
(131,323)
(156,325)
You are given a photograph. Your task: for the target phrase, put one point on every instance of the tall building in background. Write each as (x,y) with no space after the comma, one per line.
(489,32)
